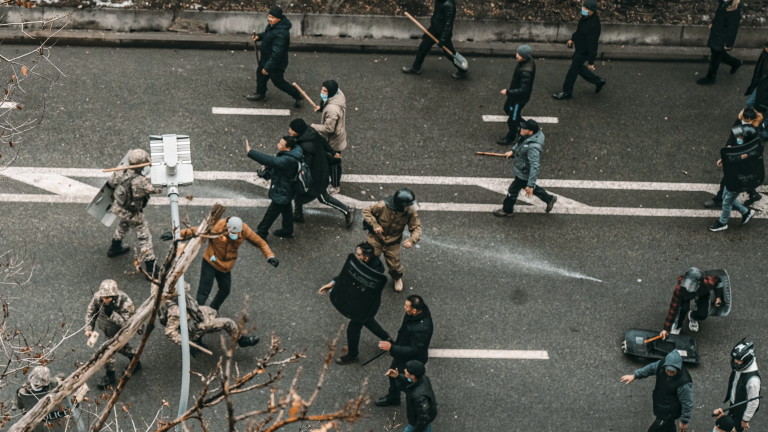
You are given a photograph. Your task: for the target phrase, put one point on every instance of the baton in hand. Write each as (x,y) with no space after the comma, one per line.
(375,357)
(303,93)
(490,154)
(739,404)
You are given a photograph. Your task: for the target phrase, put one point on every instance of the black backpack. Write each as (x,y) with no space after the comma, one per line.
(302,182)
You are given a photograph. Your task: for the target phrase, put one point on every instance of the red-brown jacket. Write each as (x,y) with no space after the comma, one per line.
(224,248)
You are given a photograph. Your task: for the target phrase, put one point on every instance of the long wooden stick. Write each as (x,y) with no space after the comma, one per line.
(126,167)
(652,339)
(427,32)
(303,93)
(490,154)
(200,348)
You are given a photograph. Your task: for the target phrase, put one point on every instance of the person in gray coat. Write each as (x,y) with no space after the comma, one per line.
(527,154)
(672,395)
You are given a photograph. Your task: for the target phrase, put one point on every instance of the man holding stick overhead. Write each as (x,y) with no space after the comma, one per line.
(441,26)
(275,41)
(527,154)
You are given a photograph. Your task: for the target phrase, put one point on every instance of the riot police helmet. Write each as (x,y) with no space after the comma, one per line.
(404,198)
(744,352)
(39,377)
(692,279)
(234,225)
(138,156)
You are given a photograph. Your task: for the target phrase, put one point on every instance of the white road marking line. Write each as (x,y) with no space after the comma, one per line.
(8,105)
(54,183)
(489,354)
(251,111)
(503,119)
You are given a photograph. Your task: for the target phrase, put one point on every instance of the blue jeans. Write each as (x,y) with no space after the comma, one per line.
(410,428)
(751,99)
(730,200)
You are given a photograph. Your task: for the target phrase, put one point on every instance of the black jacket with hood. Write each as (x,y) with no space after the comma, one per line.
(275,41)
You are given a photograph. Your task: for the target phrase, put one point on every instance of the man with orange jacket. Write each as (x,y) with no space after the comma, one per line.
(219,257)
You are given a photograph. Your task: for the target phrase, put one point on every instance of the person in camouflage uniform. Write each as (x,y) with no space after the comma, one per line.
(38,385)
(201,320)
(110,308)
(131,195)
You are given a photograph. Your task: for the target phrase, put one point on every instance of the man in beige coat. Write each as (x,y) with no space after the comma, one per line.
(386,221)
(333,127)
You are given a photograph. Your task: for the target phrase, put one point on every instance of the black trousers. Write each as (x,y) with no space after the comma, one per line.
(335,169)
(517,185)
(716,57)
(702,310)
(515,113)
(426,45)
(578,68)
(324,198)
(355,328)
(207,274)
(278,80)
(663,426)
(270,216)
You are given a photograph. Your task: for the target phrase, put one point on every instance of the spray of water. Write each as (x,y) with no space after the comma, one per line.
(518,261)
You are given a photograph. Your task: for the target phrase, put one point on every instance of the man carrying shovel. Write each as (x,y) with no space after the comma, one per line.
(440,31)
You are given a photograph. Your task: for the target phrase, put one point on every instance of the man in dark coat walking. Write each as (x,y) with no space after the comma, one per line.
(317,153)
(420,402)
(722,36)
(672,395)
(519,93)
(412,343)
(757,92)
(275,41)
(281,171)
(440,26)
(585,40)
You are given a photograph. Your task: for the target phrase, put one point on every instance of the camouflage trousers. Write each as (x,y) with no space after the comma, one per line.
(128,351)
(137,223)
(391,256)
(213,324)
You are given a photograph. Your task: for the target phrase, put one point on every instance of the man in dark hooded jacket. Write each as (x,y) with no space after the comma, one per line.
(420,402)
(412,343)
(757,91)
(281,171)
(441,27)
(275,41)
(317,153)
(519,93)
(672,395)
(722,36)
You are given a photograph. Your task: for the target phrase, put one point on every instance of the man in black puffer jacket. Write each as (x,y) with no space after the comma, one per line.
(722,35)
(519,93)
(275,41)
(317,153)
(440,26)
(420,402)
(412,343)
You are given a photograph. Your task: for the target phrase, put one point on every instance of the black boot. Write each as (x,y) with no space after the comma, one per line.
(153,271)
(108,382)
(117,249)
(246,341)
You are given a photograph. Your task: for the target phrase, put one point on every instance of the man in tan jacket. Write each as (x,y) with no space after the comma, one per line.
(333,127)
(219,257)
(386,221)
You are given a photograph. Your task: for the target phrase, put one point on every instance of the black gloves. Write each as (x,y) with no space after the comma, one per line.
(166,236)
(273,262)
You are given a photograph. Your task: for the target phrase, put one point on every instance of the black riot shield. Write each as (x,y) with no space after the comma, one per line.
(743,166)
(634,346)
(725,283)
(357,292)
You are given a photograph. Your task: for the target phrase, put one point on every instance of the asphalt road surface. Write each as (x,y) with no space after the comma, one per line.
(632,166)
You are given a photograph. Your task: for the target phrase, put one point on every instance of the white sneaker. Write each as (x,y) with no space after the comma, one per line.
(398,285)
(675,330)
(334,190)
(693,325)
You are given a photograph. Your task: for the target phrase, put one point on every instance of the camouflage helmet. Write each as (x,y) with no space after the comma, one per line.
(138,156)
(108,288)
(39,377)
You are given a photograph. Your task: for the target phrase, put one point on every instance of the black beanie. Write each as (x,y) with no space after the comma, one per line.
(415,368)
(726,423)
(299,126)
(531,125)
(332,87)
(276,11)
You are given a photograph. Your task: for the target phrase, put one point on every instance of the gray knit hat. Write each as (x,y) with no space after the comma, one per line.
(591,5)
(525,51)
